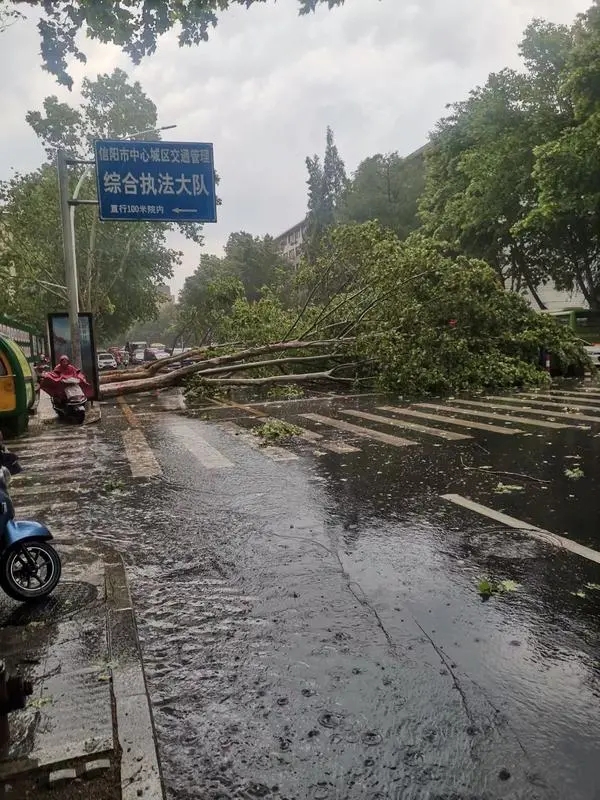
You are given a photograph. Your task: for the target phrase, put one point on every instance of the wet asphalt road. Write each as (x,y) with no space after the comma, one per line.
(312,627)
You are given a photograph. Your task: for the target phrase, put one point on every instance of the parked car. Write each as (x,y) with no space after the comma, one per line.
(107,361)
(138,357)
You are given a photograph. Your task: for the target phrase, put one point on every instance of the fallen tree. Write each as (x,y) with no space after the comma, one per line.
(423,319)
(232,363)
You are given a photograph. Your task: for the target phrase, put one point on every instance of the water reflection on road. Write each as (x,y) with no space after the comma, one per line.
(313,629)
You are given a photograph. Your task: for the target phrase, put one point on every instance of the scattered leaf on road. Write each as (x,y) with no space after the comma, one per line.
(575,473)
(506,488)
(508,586)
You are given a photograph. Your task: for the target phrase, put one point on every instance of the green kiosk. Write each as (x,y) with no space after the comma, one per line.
(18,388)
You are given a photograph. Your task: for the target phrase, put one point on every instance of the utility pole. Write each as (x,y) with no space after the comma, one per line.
(68,231)
(67,218)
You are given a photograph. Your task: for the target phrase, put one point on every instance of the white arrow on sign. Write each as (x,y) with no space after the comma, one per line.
(185,210)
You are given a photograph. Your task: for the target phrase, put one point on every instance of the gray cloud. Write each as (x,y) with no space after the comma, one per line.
(267,84)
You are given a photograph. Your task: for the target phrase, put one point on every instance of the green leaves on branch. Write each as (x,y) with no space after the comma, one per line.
(134,26)
(120,265)
(512,173)
(433,322)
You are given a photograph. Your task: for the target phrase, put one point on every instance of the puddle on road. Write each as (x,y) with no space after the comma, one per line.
(314,629)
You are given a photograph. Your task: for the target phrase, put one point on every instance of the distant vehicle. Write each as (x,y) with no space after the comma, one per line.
(153,354)
(133,346)
(137,357)
(107,361)
(158,346)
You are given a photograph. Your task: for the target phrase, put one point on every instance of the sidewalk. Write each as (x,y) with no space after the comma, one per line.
(45,414)
(87,730)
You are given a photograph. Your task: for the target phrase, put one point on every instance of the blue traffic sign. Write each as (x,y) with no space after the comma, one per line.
(155,181)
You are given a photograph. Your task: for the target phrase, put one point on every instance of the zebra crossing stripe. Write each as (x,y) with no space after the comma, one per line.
(42,489)
(190,437)
(318,439)
(58,442)
(43,446)
(45,509)
(540,423)
(413,426)
(516,524)
(142,461)
(54,462)
(358,430)
(592,393)
(548,412)
(562,402)
(29,475)
(275,453)
(481,426)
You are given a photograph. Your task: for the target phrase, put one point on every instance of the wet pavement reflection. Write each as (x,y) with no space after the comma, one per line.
(313,628)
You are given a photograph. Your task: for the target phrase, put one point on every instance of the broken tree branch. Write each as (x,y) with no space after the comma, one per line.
(162,380)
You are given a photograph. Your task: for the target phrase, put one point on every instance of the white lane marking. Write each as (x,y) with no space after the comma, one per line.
(54,442)
(317,438)
(45,509)
(275,453)
(413,426)
(339,447)
(358,430)
(47,447)
(43,488)
(142,461)
(514,405)
(30,474)
(189,436)
(592,393)
(517,524)
(563,403)
(324,399)
(55,461)
(463,423)
(540,423)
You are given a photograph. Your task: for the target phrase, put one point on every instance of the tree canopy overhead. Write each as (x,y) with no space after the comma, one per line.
(133,25)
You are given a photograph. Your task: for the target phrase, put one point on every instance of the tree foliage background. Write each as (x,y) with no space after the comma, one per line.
(120,265)
(135,26)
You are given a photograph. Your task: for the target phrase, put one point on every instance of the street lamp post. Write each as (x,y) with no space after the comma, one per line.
(67,217)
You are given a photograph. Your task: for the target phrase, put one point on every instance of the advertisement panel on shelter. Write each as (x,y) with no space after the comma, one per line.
(59,338)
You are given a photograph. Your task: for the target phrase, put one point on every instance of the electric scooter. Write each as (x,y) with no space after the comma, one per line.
(29,567)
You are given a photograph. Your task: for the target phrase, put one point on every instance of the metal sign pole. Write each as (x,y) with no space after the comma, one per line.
(68,230)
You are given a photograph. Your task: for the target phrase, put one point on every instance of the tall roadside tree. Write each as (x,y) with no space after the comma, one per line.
(120,264)
(251,271)
(479,183)
(386,188)
(565,220)
(134,25)
(327,182)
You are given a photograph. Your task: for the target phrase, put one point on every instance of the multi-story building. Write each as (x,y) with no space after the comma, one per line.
(291,242)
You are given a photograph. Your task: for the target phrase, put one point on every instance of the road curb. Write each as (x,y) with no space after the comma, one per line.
(140,766)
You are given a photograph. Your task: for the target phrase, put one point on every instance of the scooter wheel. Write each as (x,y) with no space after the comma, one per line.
(29,570)
(79,417)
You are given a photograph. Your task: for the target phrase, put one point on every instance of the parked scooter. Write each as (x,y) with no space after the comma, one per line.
(68,389)
(29,567)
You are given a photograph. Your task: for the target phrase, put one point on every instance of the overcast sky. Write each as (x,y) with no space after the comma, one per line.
(268,83)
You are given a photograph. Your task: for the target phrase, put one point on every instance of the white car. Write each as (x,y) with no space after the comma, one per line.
(107,361)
